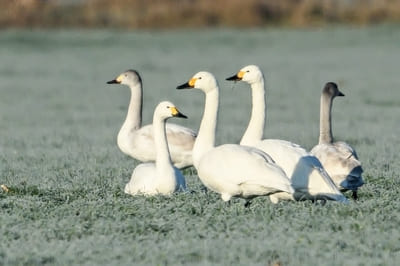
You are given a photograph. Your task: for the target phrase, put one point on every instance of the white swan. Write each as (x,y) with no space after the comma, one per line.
(137,141)
(339,159)
(160,177)
(230,170)
(306,173)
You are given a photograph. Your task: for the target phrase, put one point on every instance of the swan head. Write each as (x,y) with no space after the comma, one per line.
(202,80)
(250,74)
(331,89)
(128,78)
(166,110)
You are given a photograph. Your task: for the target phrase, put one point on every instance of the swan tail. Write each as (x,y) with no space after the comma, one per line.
(354,180)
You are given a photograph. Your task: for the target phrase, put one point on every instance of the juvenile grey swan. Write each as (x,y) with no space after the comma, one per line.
(338,158)
(306,173)
(160,177)
(137,141)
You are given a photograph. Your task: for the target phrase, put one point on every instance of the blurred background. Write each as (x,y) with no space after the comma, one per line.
(135,14)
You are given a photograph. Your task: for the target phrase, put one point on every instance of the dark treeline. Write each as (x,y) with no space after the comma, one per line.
(194,13)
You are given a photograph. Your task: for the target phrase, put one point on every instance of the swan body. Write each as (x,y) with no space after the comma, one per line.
(231,170)
(160,177)
(254,177)
(338,158)
(308,177)
(137,141)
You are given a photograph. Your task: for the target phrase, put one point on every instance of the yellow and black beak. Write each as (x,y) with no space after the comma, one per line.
(115,81)
(187,85)
(175,112)
(237,77)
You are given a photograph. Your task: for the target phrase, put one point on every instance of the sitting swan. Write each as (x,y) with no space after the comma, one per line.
(230,170)
(339,159)
(306,173)
(137,141)
(160,177)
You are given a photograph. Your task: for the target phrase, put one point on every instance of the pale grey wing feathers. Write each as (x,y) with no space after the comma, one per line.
(345,149)
(260,153)
(341,162)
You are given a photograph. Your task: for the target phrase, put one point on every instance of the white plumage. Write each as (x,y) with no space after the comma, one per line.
(306,173)
(231,170)
(160,177)
(338,158)
(137,141)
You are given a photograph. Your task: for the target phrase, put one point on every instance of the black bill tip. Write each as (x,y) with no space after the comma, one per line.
(184,86)
(114,81)
(234,78)
(181,115)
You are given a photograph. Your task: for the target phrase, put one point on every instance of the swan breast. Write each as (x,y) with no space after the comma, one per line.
(146,180)
(142,180)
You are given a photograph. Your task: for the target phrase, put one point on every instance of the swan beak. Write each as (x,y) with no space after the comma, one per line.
(184,86)
(175,112)
(340,93)
(187,85)
(115,81)
(237,77)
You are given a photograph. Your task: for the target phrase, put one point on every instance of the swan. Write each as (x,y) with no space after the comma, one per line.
(339,158)
(308,177)
(230,170)
(137,141)
(160,177)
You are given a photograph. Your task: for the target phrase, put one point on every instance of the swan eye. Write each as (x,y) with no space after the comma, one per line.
(248,71)
(199,78)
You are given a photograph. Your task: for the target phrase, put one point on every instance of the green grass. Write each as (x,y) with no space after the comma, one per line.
(59,158)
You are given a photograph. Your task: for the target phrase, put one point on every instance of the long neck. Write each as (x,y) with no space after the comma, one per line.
(165,179)
(325,126)
(133,119)
(206,136)
(255,129)
(163,158)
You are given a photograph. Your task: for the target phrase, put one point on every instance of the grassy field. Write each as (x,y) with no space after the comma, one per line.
(58,152)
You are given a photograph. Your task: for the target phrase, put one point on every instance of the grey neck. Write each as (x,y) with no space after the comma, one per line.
(325,124)
(133,119)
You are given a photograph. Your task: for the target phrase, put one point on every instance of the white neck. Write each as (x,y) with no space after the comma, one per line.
(165,178)
(133,119)
(163,158)
(206,136)
(325,125)
(255,129)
